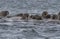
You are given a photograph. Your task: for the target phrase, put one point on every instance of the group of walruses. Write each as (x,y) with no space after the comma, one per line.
(42,16)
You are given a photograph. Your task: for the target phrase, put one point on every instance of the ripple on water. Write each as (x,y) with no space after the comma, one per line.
(35,30)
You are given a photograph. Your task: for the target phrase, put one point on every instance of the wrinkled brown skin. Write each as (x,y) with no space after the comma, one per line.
(44,14)
(4,13)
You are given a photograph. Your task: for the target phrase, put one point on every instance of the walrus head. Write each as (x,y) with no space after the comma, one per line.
(44,14)
(3,13)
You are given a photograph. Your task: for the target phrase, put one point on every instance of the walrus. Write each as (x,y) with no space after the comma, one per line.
(48,16)
(21,14)
(9,16)
(3,13)
(25,16)
(44,14)
(37,17)
(54,16)
(33,16)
